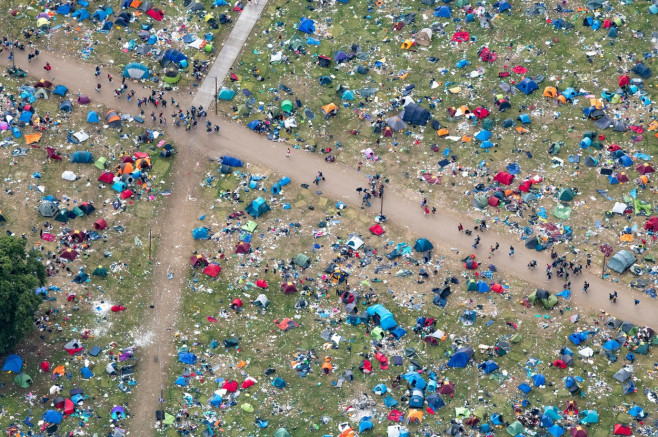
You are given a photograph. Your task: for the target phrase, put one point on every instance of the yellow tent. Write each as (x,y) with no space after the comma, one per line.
(43,21)
(407,45)
(454,90)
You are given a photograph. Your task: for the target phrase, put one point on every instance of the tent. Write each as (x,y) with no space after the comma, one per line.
(187,358)
(527,86)
(258,207)
(233,162)
(423,245)
(226,94)
(488,367)
(620,429)
(565,195)
(92,117)
(547,299)
(386,320)
(60,90)
(23,380)
(135,70)
(302,261)
(82,157)
(112,119)
(48,208)
(515,428)
(461,357)
(282,432)
(424,37)
(52,416)
(621,260)
(642,70)
(504,178)
(443,12)
(66,106)
(415,115)
(306,25)
(13,363)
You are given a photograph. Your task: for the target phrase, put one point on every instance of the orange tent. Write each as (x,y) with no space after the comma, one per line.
(32,138)
(550,91)
(135,3)
(327,367)
(330,109)
(561,99)
(59,370)
(442,132)
(627,238)
(125,168)
(415,416)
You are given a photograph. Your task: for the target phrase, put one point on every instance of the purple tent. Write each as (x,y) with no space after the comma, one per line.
(83,100)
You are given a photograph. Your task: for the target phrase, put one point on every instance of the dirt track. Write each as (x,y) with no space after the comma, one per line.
(175,223)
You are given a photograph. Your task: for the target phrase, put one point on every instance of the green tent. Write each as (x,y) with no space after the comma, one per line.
(62,216)
(302,261)
(547,299)
(488,124)
(515,429)
(480,413)
(641,205)
(247,407)
(78,212)
(462,3)
(100,271)
(461,413)
(250,226)
(282,432)
(171,77)
(286,106)
(565,195)
(562,212)
(480,201)
(642,348)
(169,419)
(100,163)
(516,338)
(208,48)
(243,111)
(377,333)
(471,285)
(296,42)
(23,379)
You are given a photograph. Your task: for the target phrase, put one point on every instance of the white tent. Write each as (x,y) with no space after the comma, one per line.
(69,175)
(81,136)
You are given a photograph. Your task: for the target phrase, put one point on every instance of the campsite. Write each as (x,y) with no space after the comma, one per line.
(328,217)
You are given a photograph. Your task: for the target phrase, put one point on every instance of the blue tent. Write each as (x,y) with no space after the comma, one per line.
(386,320)
(82,157)
(13,363)
(483,287)
(380,389)
(64,9)
(92,117)
(99,15)
(636,411)
(26,116)
(435,402)
(365,424)
(545,422)
(527,86)
(443,12)
(216,400)
(415,380)
(556,430)
(187,357)
(569,93)
(502,6)
(279,382)
(461,358)
(81,14)
(226,94)
(181,381)
(86,372)
(578,337)
(52,416)
(257,207)
(626,161)
(611,345)
(219,3)
(175,56)
(483,135)
(569,381)
(488,367)
(233,162)
(524,118)
(538,380)
(66,106)
(423,245)
(525,388)
(254,124)
(390,401)
(513,168)
(306,25)
(200,234)
(486,145)
(60,90)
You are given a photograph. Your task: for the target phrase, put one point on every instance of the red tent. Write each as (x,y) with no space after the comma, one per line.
(396,416)
(198,261)
(242,247)
(446,388)
(52,153)
(578,431)
(461,36)
(45,366)
(652,224)
(117,308)
(525,186)
(623,429)
(613,148)
(230,386)
(493,201)
(519,69)
(366,366)
(504,178)
(156,14)
(100,224)
(624,81)
(497,288)
(126,194)
(644,168)
(376,229)
(68,254)
(559,364)
(261,283)
(141,155)
(288,287)
(480,112)
(383,360)
(247,383)
(106,177)
(212,270)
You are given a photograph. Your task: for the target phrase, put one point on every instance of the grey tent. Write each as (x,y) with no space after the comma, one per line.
(590,161)
(621,260)
(613,323)
(603,122)
(367,92)
(262,301)
(622,375)
(619,126)
(568,359)
(424,37)
(414,114)
(642,70)
(396,123)
(48,208)
(282,432)
(65,106)
(196,6)
(480,201)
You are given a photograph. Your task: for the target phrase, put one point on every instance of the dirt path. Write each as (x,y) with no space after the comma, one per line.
(175,223)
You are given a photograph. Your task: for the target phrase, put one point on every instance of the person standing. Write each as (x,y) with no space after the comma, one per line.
(511,250)
(288,153)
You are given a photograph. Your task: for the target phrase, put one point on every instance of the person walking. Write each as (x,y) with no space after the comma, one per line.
(511,250)
(637,302)
(586,286)
(288,153)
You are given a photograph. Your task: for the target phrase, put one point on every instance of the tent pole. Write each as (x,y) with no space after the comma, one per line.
(381,203)
(216,95)
(603,267)
(150,240)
